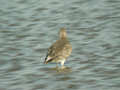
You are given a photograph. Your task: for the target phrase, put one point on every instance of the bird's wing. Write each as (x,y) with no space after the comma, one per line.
(51,52)
(58,50)
(54,49)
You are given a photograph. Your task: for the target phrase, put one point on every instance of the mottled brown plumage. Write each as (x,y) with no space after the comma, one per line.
(60,50)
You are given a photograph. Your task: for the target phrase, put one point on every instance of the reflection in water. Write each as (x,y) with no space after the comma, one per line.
(62,70)
(58,69)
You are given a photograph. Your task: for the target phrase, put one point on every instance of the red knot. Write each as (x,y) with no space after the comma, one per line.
(60,50)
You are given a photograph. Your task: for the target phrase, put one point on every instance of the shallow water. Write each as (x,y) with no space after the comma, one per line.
(29,27)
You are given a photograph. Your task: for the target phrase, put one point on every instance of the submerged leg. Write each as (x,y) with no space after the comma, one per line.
(56,65)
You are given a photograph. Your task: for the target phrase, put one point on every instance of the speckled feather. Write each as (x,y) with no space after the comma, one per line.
(59,50)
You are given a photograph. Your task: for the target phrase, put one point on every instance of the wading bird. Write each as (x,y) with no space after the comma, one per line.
(60,50)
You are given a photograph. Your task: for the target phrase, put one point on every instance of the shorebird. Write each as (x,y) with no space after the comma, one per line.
(60,50)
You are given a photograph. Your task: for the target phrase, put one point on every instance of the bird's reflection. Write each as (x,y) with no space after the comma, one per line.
(58,69)
(61,69)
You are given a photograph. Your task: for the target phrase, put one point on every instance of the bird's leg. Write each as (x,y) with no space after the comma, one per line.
(56,65)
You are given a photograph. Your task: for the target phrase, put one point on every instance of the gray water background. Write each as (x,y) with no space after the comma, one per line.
(29,27)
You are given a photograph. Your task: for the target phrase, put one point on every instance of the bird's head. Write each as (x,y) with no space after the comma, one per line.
(62,33)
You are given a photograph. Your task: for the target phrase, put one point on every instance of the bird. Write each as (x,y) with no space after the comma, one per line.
(59,51)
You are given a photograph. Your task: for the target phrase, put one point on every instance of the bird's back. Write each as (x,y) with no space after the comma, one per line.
(61,49)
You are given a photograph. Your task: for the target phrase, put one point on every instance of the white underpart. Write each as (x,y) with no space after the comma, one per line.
(62,62)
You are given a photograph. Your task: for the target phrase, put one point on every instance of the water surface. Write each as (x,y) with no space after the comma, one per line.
(29,27)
